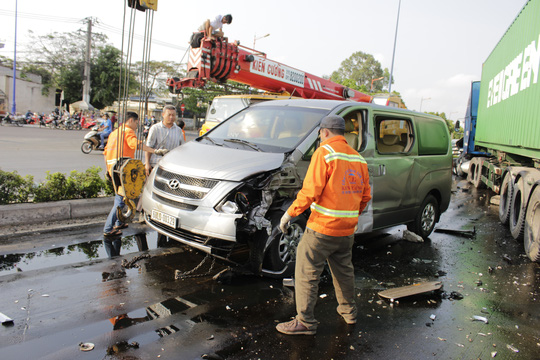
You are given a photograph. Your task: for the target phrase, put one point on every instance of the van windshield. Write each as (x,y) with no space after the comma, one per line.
(268,128)
(222,108)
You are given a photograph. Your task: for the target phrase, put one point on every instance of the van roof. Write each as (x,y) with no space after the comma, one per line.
(331,105)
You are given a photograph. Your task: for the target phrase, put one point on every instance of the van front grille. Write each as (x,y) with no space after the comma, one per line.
(183,186)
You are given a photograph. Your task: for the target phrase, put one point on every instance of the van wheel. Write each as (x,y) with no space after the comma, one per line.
(86,147)
(281,253)
(517,211)
(507,189)
(531,236)
(426,218)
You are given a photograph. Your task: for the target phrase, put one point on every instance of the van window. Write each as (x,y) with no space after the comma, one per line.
(394,135)
(432,137)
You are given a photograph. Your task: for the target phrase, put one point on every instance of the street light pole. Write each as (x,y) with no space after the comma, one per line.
(421,101)
(394,52)
(255,38)
(13,104)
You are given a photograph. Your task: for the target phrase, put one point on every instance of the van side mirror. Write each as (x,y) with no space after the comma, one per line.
(457,126)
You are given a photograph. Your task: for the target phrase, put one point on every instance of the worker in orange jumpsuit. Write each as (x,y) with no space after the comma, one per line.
(129,144)
(337,190)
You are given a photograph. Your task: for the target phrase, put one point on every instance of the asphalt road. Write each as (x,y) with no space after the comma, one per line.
(62,289)
(31,150)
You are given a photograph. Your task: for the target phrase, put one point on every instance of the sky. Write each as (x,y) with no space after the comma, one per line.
(440,45)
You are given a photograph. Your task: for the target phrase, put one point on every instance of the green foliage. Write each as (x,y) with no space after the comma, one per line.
(14,188)
(78,185)
(357,72)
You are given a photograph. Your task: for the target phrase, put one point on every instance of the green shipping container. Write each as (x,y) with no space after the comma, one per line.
(509,103)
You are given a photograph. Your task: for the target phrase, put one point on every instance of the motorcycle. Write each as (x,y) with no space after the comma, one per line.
(14,120)
(91,141)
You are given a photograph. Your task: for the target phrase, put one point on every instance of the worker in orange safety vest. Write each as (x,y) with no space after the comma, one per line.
(127,130)
(337,190)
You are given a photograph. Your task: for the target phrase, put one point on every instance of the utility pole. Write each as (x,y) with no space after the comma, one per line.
(394,52)
(13,104)
(86,80)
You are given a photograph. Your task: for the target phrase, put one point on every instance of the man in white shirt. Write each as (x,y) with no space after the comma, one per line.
(214,28)
(163,135)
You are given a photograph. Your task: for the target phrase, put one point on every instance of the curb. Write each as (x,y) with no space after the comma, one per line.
(19,214)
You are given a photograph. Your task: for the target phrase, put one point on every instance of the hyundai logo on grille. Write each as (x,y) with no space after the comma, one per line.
(174,184)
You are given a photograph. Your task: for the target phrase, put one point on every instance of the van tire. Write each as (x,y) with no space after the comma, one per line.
(427,217)
(507,189)
(517,210)
(280,257)
(531,236)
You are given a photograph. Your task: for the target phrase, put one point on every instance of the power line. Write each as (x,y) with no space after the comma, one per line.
(98,24)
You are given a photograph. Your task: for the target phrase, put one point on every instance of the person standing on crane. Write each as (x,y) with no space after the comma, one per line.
(214,28)
(337,190)
(129,144)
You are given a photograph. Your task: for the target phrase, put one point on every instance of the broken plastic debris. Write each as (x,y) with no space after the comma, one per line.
(512,348)
(288,282)
(228,307)
(45,295)
(409,290)
(412,237)
(433,317)
(86,346)
(5,320)
(211,337)
(322,296)
(480,318)
(493,354)
(465,233)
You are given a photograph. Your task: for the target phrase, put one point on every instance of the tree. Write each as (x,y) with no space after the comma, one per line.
(56,51)
(105,77)
(357,72)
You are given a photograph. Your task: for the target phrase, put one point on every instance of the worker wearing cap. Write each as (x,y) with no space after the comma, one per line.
(337,190)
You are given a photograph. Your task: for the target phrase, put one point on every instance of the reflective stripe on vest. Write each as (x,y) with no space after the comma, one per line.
(334,213)
(341,156)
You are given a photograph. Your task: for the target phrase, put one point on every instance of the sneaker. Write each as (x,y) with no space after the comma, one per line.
(294,327)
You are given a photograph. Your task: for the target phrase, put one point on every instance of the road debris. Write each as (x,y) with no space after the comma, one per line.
(493,354)
(480,318)
(122,346)
(409,290)
(5,320)
(412,237)
(512,348)
(86,346)
(454,295)
(464,233)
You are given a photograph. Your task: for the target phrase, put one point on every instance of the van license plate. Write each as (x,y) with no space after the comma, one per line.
(164,218)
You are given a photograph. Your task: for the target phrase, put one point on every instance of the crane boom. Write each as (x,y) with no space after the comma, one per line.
(219,60)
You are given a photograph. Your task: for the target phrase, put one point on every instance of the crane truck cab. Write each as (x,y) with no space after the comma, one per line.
(227,189)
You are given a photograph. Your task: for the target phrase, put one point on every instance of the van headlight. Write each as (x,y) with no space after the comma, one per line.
(227,207)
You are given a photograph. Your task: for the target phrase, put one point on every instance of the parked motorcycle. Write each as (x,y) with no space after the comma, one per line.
(91,141)
(14,120)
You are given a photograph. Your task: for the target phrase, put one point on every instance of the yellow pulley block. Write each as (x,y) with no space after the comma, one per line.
(132,178)
(143,5)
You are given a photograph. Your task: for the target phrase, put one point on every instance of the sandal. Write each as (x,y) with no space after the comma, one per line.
(119,227)
(113,233)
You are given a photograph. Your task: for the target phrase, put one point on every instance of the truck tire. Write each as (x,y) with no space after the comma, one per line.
(507,189)
(517,210)
(531,235)
(280,257)
(426,218)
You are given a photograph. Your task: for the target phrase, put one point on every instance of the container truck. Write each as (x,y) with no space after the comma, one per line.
(501,144)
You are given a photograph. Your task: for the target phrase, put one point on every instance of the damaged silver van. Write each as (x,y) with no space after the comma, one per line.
(225,191)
